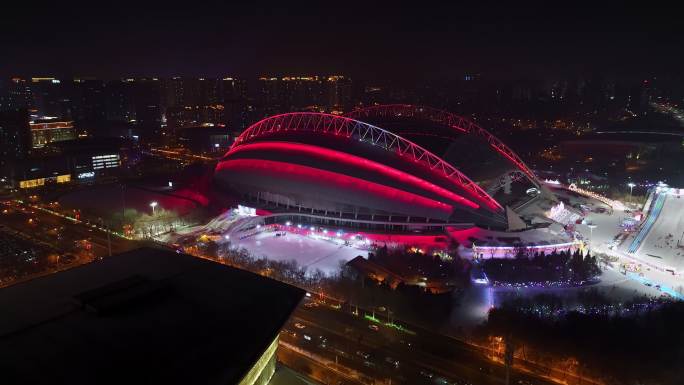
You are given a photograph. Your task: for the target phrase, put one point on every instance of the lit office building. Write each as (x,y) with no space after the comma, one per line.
(106,161)
(50,97)
(49,131)
(15,138)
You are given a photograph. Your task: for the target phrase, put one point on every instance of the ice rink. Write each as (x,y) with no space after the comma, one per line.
(308,252)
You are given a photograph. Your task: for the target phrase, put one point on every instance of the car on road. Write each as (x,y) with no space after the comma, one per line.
(368,364)
(393,362)
(373,327)
(427,374)
(442,381)
(67,259)
(299,326)
(360,353)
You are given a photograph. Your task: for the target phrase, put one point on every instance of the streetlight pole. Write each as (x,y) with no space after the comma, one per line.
(153,205)
(109,242)
(591,232)
(123,204)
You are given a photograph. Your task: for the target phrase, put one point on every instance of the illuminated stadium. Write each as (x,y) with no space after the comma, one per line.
(394,168)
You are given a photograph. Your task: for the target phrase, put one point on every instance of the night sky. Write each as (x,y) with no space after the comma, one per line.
(421,41)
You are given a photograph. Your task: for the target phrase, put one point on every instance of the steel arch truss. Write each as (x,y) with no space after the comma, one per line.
(351,128)
(444,118)
(507,178)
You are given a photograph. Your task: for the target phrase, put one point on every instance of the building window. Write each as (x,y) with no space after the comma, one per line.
(30,183)
(63,178)
(106,161)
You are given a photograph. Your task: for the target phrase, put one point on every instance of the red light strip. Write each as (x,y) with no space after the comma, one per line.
(369,165)
(311,174)
(347,127)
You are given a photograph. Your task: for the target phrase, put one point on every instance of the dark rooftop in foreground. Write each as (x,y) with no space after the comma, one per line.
(145,316)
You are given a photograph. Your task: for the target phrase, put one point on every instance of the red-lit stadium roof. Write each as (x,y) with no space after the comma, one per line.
(351,128)
(337,167)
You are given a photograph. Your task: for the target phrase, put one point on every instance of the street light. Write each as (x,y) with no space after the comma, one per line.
(631,186)
(591,232)
(153,205)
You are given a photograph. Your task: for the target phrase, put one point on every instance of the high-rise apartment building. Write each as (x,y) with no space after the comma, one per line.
(15,136)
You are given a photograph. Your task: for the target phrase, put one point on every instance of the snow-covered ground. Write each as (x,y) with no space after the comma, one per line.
(608,226)
(308,252)
(660,245)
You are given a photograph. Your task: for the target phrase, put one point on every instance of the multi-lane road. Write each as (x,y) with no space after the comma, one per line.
(72,240)
(336,346)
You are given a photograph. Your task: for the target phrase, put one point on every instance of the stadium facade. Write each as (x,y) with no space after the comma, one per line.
(397,168)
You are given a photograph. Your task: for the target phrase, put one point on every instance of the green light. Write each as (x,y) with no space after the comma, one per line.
(388,324)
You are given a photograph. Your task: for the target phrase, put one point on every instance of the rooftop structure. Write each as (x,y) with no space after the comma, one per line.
(145,316)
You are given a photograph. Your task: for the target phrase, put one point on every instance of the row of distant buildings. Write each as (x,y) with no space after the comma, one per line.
(155,108)
(175,102)
(37,152)
(44,119)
